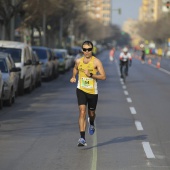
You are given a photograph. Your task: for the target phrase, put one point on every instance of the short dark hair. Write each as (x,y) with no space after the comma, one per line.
(88,43)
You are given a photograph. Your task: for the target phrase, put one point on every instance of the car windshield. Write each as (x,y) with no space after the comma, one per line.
(59,55)
(3,66)
(42,54)
(15,53)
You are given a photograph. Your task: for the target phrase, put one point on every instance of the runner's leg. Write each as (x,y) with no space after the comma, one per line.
(126,69)
(82,102)
(82,118)
(92,103)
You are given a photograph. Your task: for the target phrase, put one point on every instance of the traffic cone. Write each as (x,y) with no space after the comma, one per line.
(158,64)
(149,61)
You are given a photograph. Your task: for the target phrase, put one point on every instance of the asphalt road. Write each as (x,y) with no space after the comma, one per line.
(40,131)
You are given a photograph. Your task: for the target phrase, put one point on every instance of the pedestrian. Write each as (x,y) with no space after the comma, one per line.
(143,55)
(89,70)
(111,54)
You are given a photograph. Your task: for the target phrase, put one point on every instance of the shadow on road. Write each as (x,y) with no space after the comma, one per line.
(119,140)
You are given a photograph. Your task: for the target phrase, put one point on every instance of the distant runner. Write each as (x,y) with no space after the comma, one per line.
(111,54)
(125,59)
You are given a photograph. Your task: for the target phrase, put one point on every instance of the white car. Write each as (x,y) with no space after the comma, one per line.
(21,54)
(10,78)
(36,71)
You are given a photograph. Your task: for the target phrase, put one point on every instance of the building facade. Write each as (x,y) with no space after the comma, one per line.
(100,10)
(150,10)
(131,27)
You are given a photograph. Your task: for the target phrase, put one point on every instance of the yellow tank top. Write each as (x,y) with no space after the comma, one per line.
(87,84)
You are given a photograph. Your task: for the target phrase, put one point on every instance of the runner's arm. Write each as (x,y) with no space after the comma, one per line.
(102,74)
(120,59)
(75,71)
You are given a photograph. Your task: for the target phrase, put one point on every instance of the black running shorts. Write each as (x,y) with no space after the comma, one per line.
(85,98)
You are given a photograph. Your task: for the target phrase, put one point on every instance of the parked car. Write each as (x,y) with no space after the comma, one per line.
(68,59)
(54,62)
(36,71)
(75,50)
(46,61)
(10,78)
(61,60)
(16,74)
(21,54)
(1,90)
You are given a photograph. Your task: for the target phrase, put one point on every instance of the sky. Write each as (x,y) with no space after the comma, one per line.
(129,8)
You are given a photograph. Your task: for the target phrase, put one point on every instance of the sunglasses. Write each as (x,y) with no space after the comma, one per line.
(87,49)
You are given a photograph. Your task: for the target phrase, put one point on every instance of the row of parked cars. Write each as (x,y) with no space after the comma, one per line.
(22,68)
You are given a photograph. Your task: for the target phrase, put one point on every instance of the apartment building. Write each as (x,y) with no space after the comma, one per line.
(150,10)
(100,10)
(131,27)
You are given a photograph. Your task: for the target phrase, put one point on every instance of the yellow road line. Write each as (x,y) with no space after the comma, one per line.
(94,158)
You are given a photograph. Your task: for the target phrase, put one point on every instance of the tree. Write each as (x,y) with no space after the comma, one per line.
(156,31)
(7,11)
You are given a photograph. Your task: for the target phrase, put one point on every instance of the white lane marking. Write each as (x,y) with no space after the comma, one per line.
(138,125)
(94,158)
(161,69)
(153,65)
(165,71)
(124,87)
(133,111)
(126,92)
(148,150)
(129,100)
(122,82)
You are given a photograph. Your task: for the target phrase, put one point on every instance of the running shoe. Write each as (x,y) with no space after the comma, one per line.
(81,142)
(91,129)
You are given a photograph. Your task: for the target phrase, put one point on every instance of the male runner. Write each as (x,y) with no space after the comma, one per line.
(125,58)
(89,70)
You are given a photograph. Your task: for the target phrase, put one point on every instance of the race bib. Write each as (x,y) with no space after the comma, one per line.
(87,82)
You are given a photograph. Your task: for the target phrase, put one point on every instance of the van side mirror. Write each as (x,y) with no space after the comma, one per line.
(15,69)
(28,62)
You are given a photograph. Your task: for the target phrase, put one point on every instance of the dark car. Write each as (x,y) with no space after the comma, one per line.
(46,61)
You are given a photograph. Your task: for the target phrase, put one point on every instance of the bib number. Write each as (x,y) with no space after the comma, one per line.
(87,83)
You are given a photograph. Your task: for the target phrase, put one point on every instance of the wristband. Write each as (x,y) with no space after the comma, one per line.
(91,74)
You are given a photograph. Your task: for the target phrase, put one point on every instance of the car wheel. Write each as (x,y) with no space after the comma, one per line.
(30,88)
(1,99)
(13,99)
(39,83)
(21,87)
(1,103)
(9,101)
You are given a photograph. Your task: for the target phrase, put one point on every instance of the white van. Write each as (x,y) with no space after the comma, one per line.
(21,54)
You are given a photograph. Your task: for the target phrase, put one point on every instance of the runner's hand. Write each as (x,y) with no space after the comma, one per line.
(73,80)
